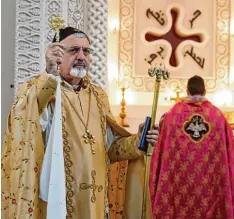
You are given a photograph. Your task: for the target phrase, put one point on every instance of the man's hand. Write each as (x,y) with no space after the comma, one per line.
(152,136)
(54,57)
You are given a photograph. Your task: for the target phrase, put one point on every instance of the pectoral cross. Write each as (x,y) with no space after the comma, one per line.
(89,139)
(57,23)
(177,98)
(92,186)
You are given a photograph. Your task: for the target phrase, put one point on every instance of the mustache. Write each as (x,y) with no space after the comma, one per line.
(79,63)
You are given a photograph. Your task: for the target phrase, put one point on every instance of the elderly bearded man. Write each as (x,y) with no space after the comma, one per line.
(38,180)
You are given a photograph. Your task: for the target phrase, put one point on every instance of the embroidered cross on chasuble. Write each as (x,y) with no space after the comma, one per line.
(93,186)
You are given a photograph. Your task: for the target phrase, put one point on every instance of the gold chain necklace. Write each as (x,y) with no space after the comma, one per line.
(88,137)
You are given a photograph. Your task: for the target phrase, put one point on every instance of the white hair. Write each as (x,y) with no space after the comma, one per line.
(80,35)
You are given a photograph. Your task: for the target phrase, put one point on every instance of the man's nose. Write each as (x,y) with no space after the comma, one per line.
(80,55)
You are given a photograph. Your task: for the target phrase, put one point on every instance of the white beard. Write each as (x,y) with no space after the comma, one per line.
(78,72)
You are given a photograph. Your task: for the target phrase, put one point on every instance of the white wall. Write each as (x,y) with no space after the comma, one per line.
(7,59)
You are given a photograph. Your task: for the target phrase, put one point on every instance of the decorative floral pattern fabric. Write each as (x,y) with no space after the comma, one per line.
(24,150)
(189,178)
(23,153)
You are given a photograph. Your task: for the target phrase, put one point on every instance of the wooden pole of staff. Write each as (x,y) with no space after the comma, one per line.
(159,74)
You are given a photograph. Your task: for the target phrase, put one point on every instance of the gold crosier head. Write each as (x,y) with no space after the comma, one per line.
(158,73)
(57,23)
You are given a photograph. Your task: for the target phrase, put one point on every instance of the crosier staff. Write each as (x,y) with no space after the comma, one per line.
(159,74)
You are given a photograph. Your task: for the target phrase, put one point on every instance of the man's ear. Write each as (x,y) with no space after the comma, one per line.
(187,91)
(204,93)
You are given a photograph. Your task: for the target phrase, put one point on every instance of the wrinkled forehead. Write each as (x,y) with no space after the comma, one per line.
(76,39)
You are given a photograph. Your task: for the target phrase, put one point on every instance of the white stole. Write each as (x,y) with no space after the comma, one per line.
(52,179)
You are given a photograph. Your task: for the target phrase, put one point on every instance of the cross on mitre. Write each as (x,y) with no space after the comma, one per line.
(57,23)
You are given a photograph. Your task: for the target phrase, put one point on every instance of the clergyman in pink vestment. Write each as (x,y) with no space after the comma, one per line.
(192,166)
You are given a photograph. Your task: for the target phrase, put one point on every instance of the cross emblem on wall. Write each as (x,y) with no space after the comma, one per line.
(174,37)
(194,45)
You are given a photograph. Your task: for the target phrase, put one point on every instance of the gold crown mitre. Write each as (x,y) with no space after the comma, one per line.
(57,23)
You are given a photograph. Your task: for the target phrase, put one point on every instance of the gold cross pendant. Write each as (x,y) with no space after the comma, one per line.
(89,139)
